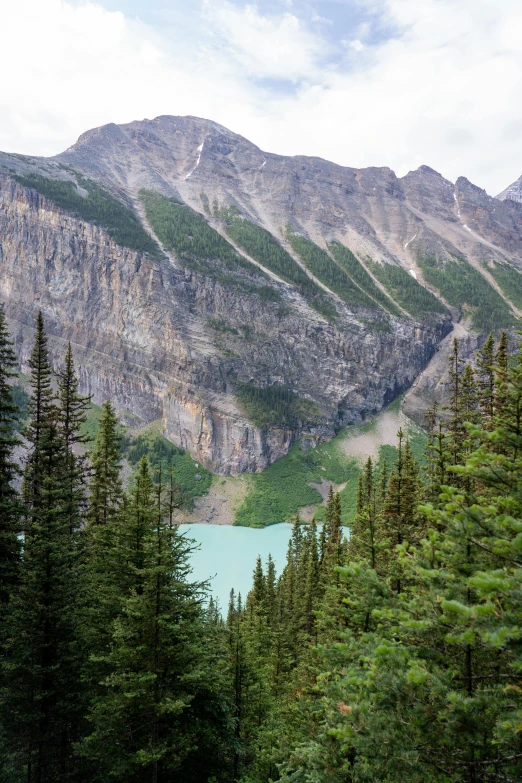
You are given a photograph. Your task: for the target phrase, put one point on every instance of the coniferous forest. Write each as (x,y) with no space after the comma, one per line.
(393,656)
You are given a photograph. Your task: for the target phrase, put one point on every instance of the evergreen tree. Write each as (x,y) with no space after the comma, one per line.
(486,381)
(365,532)
(162,714)
(72,413)
(42,694)
(9,501)
(105,486)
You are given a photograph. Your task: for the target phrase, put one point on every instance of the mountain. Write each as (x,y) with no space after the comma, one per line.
(245,298)
(513,192)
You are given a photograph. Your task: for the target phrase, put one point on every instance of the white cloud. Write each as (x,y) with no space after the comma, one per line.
(446,90)
(265,47)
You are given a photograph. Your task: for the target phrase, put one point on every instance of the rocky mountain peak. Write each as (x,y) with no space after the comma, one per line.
(513,192)
(270,298)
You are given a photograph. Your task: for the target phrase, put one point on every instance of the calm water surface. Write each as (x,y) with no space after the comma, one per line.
(227,555)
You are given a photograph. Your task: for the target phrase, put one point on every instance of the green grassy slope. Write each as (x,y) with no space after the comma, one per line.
(278,493)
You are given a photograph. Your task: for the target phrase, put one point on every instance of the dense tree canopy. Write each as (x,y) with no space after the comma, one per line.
(392,655)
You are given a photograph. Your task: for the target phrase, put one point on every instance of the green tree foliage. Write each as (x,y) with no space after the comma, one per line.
(509,280)
(188,234)
(394,656)
(405,290)
(464,287)
(106,486)
(97,206)
(419,683)
(334,276)
(275,405)
(263,247)
(113,665)
(42,695)
(346,259)
(9,501)
(152,717)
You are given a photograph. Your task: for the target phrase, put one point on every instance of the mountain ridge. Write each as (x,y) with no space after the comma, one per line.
(318,305)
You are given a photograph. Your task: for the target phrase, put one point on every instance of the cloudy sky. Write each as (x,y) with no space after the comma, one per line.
(361,82)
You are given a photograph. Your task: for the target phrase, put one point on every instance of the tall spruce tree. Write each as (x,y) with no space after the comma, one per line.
(9,500)
(106,487)
(72,414)
(42,693)
(161,714)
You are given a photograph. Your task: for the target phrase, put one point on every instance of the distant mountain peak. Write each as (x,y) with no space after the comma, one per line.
(513,192)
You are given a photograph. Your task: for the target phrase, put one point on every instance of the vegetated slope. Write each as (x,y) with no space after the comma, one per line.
(262,245)
(328,272)
(346,259)
(464,287)
(290,485)
(276,406)
(177,336)
(96,206)
(509,279)
(405,290)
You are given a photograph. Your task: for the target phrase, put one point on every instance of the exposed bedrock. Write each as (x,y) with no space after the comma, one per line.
(144,336)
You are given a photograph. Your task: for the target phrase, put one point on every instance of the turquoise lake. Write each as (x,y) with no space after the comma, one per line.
(227,555)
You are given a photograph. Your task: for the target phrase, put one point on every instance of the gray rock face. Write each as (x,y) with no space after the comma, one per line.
(513,192)
(144,330)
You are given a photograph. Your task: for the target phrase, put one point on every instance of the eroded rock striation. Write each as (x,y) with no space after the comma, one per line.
(174,335)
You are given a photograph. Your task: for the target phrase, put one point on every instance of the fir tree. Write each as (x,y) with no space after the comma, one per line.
(42,694)
(72,413)
(162,714)
(9,501)
(105,486)
(486,381)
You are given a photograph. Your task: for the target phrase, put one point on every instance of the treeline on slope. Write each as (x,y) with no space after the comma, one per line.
(188,234)
(192,479)
(464,287)
(263,247)
(328,272)
(275,405)
(396,656)
(509,280)
(98,207)
(358,273)
(405,290)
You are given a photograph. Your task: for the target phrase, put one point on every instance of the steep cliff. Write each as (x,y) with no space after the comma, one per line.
(193,272)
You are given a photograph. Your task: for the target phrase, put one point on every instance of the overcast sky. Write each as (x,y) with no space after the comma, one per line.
(360,82)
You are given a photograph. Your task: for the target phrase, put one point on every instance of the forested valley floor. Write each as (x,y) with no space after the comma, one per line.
(394,656)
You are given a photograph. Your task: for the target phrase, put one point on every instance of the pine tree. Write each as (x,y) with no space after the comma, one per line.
(486,381)
(401,521)
(72,414)
(42,412)
(105,486)
(9,501)
(366,529)
(161,714)
(501,376)
(42,693)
